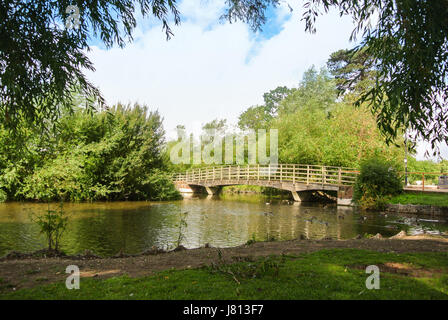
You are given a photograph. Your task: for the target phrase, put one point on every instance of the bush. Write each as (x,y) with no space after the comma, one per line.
(113,155)
(378,179)
(52,224)
(161,187)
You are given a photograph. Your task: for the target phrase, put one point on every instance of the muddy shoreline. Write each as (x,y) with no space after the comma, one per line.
(16,273)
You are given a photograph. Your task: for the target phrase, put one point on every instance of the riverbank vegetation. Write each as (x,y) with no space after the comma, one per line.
(420,198)
(377,181)
(115,154)
(326,274)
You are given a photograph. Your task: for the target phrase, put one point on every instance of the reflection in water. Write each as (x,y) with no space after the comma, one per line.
(107,228)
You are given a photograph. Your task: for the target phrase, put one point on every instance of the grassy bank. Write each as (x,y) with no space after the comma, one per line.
(326,274)
(434,199)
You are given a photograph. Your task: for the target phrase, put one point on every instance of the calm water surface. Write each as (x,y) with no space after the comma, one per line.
(107,228)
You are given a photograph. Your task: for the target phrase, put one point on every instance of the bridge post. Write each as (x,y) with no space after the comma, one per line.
(345,195)
(324,175)
(281,172)
(269,172)
(307,174)
(258,172)
(293,173)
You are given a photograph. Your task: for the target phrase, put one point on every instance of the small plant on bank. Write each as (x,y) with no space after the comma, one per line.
(52,224)
(182,226)
(269,237)
(377,181)
(248,268)
(252,240)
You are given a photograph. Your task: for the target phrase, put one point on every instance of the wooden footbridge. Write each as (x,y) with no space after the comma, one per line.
(300,180)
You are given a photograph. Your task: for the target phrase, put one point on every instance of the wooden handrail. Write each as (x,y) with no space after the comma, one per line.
(295,173)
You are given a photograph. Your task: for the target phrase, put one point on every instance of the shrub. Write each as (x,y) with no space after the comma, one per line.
(161,186)
(114,155)
(52,224)
(378,179)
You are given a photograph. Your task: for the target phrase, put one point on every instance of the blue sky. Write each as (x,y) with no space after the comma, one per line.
(211,69)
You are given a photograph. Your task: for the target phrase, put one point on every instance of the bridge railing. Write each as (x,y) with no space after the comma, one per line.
(296,173)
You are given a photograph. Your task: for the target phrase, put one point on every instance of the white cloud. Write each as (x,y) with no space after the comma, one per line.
(423,146)
(204,71)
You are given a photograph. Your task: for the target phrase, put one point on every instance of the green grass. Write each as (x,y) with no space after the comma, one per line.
(434,199)
(327,274)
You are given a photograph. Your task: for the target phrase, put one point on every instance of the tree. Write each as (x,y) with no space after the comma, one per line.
(409,46)
(260,117)
(41,63)
(114,155)
(219,126)
(353,71)
(316,91)
(337,134)
(273,98)
(255,117)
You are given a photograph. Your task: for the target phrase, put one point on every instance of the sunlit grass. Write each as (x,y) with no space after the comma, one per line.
(327,274)
(421,199)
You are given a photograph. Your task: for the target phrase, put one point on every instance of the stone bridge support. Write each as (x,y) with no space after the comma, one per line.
(183,187)
(345,196)
(194,188)
(212,190)
(304,196)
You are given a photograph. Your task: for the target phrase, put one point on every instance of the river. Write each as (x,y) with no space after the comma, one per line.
(106,228)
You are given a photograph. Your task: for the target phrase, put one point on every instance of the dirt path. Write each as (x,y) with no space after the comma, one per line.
(22,273)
